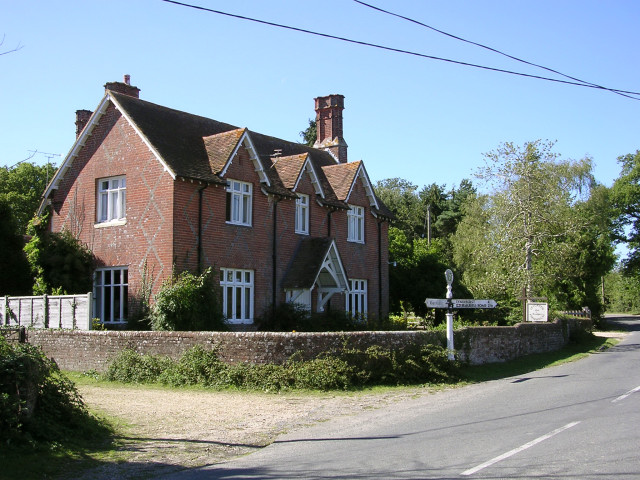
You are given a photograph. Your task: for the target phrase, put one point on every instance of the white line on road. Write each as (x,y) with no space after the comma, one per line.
(517,450)
(622,397)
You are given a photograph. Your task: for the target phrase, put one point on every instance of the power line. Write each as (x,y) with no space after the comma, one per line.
(397,50)
(595,85)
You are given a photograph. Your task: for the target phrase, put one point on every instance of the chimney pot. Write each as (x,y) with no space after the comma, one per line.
(124,87)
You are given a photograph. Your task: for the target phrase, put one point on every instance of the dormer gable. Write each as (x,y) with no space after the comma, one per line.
(222,149)
(343,178)
(291,170)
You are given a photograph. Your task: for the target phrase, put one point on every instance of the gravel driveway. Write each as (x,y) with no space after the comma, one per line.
(165,430)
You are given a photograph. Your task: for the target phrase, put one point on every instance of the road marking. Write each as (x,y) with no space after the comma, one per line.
(622,397)
(518,450)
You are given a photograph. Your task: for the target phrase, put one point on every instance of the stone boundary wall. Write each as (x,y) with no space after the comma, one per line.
(77,350)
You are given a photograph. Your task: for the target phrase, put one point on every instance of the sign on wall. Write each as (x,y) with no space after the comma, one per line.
(537,312)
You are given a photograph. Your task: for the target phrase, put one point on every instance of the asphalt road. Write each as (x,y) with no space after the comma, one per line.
(575,421)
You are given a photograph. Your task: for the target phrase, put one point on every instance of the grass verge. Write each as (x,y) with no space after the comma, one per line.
(572,352)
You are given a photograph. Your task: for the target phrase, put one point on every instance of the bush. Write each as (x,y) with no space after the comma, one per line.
(188,302)
(131,367)
(59,261)
(196,366)
(349,368)
(37,402)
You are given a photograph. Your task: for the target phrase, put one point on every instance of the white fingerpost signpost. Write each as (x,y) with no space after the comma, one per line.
(451,303)
(448,275)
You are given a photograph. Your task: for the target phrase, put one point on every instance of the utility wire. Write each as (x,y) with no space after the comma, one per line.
(595,85)
(391,49)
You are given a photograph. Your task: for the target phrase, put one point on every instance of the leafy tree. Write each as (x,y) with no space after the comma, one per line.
(417,272)
(622,292)
(401,198)
(535,229)
(59,261)
(16,275)
(451,212)
(625,197)
(310,134)
(22,187)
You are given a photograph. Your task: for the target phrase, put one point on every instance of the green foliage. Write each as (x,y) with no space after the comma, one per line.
(59,262)
(625,197)
(420,251)
(12,257)
(417,273)
(130,367)
(21,187)
(37,402)
(188,302)
(310,134)
(543,227)
(622,292)
(345,369)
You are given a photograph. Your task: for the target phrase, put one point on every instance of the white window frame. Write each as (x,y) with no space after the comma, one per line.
(355,219)
(239,202)
(237,294)
(356,299)
(112,199)
(302,214)
(111,294)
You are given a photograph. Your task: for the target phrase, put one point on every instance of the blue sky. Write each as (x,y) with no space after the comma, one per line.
(422,120)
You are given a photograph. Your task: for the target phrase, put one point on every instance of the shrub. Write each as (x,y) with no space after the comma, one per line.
(349,368)
(285,317)
(196,366)
(37,402)
(188,302)
(131,367)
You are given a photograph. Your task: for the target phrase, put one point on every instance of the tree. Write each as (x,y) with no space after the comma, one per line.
(22,186)
(528,231)
(16,275)
(310,134)
(401,198)
(625,197)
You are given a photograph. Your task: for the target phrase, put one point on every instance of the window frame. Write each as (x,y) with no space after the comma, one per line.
(357,298)
(234,282)
(117,288)
(112,200)
(239,209)
(355,224)
(302,214)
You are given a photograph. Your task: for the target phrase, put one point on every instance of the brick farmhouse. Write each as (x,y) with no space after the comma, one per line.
(152,190)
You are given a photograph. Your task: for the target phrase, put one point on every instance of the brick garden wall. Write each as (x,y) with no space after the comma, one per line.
(84,350)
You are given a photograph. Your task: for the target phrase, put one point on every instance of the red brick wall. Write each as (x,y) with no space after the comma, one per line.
(162,220)
(115,149)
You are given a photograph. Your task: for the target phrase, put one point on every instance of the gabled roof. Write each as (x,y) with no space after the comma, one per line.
(291,169)
(316,262)
(343,178)
(197,148)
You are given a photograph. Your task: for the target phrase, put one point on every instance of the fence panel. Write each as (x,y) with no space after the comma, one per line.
(47,311)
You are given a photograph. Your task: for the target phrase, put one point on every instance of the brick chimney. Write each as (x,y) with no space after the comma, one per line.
(124,87)
(82,117)
(329,126)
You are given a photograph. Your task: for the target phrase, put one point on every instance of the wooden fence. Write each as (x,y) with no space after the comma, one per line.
(47,311)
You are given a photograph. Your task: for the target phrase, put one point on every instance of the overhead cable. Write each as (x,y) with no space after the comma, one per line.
(391,49)
(595,85)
